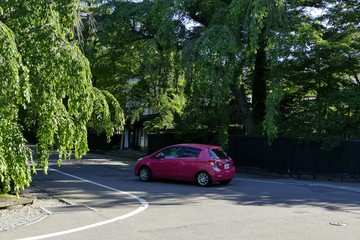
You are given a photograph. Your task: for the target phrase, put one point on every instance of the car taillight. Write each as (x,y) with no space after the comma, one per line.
(214,163)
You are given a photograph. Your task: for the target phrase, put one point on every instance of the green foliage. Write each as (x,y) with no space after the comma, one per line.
(107,115)
(209,78)
(322,73)
(15,156)
(62,95)
(134,56)
(273,101)
(331,120)
(44,62)
(271,67)
(234,47)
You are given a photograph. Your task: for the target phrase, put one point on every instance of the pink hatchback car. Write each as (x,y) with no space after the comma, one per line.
(204,164)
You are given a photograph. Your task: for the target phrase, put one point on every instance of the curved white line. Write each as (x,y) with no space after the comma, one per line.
(144,205)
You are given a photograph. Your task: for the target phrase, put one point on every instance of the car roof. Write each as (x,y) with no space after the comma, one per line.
(196,145)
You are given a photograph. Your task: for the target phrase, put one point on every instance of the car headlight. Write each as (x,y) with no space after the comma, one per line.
(139,160)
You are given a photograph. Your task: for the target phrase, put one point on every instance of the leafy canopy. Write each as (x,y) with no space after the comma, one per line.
(44,70)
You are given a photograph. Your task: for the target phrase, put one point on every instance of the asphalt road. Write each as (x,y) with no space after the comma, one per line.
(109,202)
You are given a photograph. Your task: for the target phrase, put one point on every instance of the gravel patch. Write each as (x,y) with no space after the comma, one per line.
(17,216)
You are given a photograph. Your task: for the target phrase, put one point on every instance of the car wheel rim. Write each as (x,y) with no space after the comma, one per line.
(203,179)
(144,174)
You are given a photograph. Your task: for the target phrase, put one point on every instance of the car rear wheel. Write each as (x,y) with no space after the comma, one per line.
(145,174)
(203,179)
(225,182)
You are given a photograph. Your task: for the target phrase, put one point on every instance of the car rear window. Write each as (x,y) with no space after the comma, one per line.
(217,153)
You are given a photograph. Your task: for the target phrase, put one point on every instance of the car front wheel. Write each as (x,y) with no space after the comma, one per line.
(203,179)
(145,174)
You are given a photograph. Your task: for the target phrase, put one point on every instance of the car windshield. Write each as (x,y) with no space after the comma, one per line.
(217,153)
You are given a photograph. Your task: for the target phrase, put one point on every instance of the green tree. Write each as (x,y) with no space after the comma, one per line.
(134,55)
(222,48)
(274,51)
(15,156)
(232,53)
(255,64)
(43,64)
(322,71)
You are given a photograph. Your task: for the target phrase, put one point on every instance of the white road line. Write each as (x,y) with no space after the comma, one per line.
(301,183)
(144,205)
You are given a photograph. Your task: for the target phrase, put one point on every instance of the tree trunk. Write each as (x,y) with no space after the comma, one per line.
(243,105)
(259,81)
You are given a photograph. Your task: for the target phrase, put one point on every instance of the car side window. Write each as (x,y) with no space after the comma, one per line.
(173,152)
(191,152)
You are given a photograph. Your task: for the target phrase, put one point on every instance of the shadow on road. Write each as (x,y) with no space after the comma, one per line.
(114,173)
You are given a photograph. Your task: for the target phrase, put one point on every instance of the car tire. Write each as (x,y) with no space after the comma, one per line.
(145,174)
(203,179)
(225,182)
